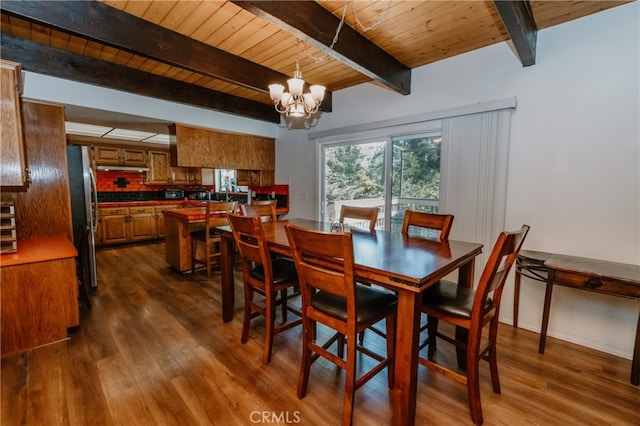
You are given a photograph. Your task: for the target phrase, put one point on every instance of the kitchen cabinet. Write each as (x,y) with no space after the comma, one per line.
(247,177)
(267,178)
(14,172)
(158,163)
(113,224)
(116,156)
(199,147)
(255,177)
(184,176)
(142,223)
(39,293)
(160,218)
(128,224)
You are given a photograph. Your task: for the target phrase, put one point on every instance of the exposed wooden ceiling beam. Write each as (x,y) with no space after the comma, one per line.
(55,62)
(312,23)
(101,23)
(518,20)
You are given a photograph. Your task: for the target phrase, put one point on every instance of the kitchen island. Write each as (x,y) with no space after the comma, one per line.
(178,225)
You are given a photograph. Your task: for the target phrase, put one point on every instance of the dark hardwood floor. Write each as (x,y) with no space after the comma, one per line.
(154,351)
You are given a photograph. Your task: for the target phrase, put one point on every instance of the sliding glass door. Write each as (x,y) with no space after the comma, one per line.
(415,172)
(354,174)
(393,174)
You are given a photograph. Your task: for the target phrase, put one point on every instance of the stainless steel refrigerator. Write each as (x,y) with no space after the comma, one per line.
(84,205)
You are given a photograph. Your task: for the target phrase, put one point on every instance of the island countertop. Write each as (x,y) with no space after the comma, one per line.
(189,214)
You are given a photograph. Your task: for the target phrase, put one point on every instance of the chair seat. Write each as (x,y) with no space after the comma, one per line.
(451,298)
(370,302)
(284,271)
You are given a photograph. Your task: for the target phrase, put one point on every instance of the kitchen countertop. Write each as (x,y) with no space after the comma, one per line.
(146,203)
(185,204)
(39,250)
(189,214)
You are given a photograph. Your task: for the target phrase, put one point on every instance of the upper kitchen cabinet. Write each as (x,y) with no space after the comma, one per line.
(115,156)
(14,172)
(198,147)
(158,163)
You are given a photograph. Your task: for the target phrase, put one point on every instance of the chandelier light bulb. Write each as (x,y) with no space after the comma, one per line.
(317,91)
(296,84)
(276,91)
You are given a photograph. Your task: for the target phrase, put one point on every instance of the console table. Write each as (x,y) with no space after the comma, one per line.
(616,279)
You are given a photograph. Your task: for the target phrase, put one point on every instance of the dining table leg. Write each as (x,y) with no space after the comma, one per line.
(403,395)
(227,261)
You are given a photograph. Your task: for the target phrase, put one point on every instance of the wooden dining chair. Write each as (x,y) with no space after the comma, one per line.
(423,220)
(367,214)
(415,219)
(269,277)
(215,215)
(331,296)
(264,202)
(266,212)
(470,311)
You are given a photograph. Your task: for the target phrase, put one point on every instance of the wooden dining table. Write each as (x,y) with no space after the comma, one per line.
(405,264)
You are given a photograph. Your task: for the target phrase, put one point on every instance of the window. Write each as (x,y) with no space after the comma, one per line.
(357,174)
(225,180)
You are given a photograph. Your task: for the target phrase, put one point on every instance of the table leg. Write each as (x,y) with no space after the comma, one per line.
(516,297)
(635,364)
(403,395)
(227,262)
(545,313)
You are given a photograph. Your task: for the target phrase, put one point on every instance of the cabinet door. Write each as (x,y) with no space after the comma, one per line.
(158,168)
(114,228)
(134,157)
(160,218)
(142,226)
(267,178)
(107,156)
(179,175)
(13,172)
(195,175)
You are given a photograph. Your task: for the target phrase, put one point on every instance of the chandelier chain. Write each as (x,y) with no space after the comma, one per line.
(364,28)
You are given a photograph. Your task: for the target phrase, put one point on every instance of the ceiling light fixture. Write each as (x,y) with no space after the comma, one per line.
(295,103)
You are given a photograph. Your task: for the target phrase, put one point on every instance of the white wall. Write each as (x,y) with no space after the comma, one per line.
(574,167)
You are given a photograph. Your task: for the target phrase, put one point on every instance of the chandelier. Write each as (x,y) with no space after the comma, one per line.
(295,103)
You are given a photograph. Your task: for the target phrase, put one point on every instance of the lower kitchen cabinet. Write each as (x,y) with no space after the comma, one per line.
(113,225)
(128,224)
(142,223)
(160,218)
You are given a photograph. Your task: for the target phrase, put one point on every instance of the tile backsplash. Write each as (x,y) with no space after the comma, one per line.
(122,181)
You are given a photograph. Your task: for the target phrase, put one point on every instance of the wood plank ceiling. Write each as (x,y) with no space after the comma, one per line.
(223,54)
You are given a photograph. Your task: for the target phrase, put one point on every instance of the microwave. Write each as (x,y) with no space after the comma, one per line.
(173,194)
